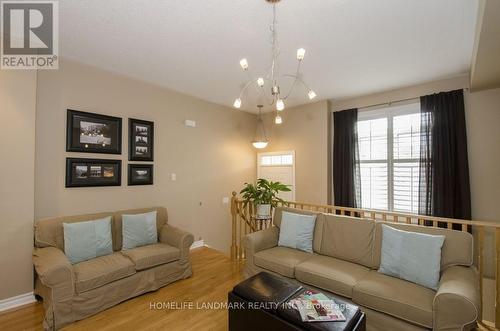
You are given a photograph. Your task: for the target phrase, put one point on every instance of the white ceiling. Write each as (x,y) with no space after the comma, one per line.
(354,47)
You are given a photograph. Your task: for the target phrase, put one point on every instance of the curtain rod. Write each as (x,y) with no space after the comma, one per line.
(390,103)
(393,102)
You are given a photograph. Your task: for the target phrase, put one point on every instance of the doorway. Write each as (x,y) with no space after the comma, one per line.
(278,167)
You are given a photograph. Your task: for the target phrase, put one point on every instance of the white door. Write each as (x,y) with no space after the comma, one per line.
(278,167)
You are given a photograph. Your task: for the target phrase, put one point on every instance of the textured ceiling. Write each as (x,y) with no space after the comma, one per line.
(354,47)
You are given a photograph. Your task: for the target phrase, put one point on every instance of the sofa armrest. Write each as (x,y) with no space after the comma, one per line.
(52,267)
(457,301)
(178,238)
(260,240)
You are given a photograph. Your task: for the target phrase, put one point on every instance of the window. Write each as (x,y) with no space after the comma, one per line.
(389,151)
(276,160)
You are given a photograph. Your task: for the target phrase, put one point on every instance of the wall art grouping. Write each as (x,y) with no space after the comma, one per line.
(95,133)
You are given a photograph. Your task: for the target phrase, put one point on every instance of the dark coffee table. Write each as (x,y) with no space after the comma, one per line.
(259,303)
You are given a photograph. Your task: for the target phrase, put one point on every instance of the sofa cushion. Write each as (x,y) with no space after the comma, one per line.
(278,213)
(457,248)
(145,257)
(396,297)
(101,271)
(348,238)
(330,274)
(281,260)
(49,232)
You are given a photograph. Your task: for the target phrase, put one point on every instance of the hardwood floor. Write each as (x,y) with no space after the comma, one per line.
(214,275)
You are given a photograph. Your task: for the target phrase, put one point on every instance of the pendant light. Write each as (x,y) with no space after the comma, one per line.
(260,140)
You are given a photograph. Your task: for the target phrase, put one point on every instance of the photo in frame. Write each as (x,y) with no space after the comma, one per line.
(140,174)
(93,133)
(93,172)
(141,140)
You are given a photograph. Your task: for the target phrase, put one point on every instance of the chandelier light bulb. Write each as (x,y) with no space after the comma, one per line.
(311,94)
(280,105)
(300,54)
(260,81)
(237,103)
(259,144)
(278,119)
(244,64)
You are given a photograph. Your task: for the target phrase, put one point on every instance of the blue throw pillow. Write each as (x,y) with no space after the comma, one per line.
(139,230)
(87,240)
(412,256)
(296,231)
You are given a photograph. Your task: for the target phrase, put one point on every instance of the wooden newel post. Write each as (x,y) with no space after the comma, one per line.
(497,279)
(234,216)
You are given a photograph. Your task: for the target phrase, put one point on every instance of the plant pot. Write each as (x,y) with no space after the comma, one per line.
(263,210)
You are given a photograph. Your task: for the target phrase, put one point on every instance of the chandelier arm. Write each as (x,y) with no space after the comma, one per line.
(249,76)
(297,72)
(299,79)
(263,94)
(244,88)
(292,87)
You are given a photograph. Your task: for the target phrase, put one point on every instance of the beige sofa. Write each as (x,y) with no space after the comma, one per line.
(73,292)
(345,262)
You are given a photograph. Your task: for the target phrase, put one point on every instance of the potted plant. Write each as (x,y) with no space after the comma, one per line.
(263,195)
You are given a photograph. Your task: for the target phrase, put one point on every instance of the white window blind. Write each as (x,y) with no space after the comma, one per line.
(389,151)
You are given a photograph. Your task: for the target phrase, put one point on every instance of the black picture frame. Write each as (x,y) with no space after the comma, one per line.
(141,140)
(82,172)
(93,133)
(135,178)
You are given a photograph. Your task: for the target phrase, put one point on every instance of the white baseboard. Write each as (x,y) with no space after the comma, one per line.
(17,301)
(198,244)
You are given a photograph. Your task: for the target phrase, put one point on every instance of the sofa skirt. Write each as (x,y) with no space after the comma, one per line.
(61,311)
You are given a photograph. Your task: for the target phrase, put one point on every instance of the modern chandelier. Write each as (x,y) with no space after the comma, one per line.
(268,86)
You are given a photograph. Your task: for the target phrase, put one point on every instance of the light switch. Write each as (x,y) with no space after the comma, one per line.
(173,177)
(225,200)
(190,123)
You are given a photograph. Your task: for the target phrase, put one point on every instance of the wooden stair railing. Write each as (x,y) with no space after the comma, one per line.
(243,224)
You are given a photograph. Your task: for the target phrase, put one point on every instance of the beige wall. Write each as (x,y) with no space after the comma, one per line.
(210,160)
(483,142)
(483,139)
(17,165)
(304,130)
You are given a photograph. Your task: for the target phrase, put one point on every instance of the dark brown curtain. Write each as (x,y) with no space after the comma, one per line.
(346,174)
(444,169)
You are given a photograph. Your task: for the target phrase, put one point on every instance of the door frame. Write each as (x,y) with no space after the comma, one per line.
(259,155)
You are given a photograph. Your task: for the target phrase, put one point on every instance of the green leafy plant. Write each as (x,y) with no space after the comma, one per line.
(264,192)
